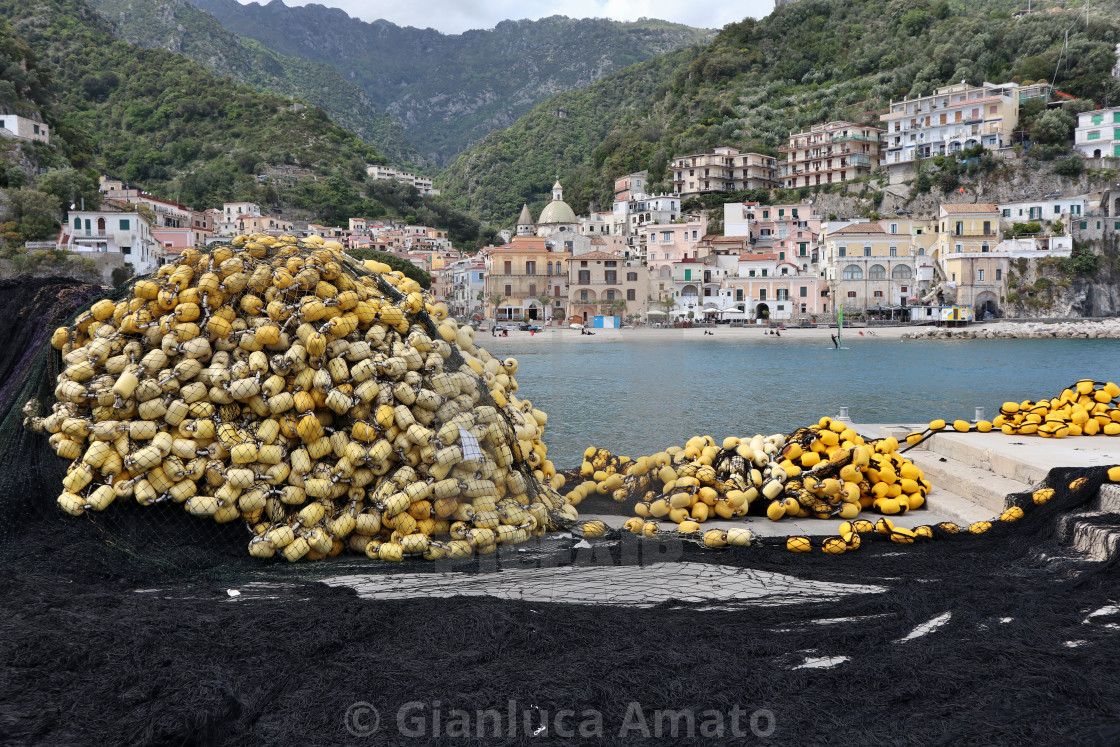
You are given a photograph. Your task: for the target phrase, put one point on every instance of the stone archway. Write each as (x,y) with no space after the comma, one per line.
(986,306)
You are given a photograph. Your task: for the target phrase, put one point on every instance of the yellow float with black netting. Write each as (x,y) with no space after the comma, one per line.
(327,404)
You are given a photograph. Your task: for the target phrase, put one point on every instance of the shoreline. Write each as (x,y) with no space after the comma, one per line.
(1109,329)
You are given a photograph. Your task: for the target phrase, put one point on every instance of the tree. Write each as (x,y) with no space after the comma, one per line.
(70,186)
(1054,127)
(37,213)
(668,304)
(497,300)
(545,301)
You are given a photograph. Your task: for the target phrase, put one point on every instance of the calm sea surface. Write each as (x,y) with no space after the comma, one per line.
(639,397)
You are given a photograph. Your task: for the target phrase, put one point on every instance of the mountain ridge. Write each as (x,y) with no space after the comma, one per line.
(451,90)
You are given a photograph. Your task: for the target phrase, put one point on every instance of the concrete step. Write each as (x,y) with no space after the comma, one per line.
(986,489)
(1097,541)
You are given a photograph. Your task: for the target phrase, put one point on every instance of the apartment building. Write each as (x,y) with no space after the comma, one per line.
(766,287)
(724,170)
(829,153)
(521,272)
(867,266)
(602,284)
(124,237)
(1098,133)
(965,252)
(954,118)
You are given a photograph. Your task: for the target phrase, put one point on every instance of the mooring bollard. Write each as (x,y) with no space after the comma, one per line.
(979,415)
(843,414)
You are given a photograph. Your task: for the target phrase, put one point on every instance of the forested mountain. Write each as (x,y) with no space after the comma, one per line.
(451,90)
(160,120)
(806,63)
(178,26)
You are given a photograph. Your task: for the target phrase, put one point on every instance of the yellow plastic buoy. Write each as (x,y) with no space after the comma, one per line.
(799,544)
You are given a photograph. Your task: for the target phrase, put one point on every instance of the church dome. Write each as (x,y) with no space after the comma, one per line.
(557,211)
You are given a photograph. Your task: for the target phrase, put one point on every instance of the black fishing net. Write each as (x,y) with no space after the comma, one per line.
(127,629)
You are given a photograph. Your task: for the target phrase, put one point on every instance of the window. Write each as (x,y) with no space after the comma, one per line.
(761,294)
(1094,135)
(921,251)
(781,255)
(877,272)
(610,263)
(894,228)
(530,268)
(803,249)
(77,223)
(1057,210)
(853,272)
(842,251)
(783,294)
(981,276)
(894,251)
(960,248)
(751,273)
(867,251)
(610,294)
(953,277)
(508,267)
(984,247)
(1116,117)
(987,228)
(738,294)
(902,272)
(585,277)
(764,272)
(509,291)
(550,267)
(1084,225)
(851,294)
(611,277)
(959,228)
(631,295)
(999,274)
(878,294)
(124,224)
(126,250)
(1007,212)
(631,277)
(903,289)
(1097,119)
(583,295)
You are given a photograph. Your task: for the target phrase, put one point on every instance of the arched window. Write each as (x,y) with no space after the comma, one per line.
(921,251)
(101,225)
(77,222)
(877,272)
(549,268)
(902,272)
(853,272)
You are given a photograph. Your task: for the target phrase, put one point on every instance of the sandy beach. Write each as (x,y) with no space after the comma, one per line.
(649,334)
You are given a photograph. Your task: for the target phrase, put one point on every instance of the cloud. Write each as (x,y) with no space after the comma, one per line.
(457,16)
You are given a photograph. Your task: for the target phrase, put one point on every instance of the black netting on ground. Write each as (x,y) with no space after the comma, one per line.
(126,633)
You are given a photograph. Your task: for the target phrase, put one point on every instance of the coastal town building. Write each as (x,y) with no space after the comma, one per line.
(1045,209)
(1098,133)
(602,284)
(726,169)
(866,266)
(829,153)
(967,236)
(466,294)
(766,287)
(625,186)
(112,237)
(557,216)
(527,278)
(790,230)
(952,119)
(16,127)
(422,184)
(662,245)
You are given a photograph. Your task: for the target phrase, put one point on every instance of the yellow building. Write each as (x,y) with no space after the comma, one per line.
(966,242)
(607,285)
(521,272)
(867,266)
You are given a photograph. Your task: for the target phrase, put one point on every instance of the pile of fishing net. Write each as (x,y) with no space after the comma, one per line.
(326,404)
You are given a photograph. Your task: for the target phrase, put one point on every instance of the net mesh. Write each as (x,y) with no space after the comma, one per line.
(120,628)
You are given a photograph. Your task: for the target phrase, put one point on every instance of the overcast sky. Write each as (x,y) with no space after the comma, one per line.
(456,16)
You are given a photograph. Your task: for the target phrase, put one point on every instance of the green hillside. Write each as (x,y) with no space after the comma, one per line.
(158,119)
(451,90)
(806,63)
(183,28)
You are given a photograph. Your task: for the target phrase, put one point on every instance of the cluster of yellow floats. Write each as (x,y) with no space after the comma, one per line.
(335,406)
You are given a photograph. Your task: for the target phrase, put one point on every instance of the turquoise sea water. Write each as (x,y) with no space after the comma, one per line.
(639,397)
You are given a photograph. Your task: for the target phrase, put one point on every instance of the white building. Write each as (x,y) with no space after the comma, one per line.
(953,118)
(1055,208)
(1098,133)
(423,184)
(22,128)
(112,232)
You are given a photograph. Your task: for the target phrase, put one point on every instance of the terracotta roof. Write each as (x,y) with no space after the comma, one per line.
(750,257)
(970,207)
(596,255)
(598,241)
(861,229)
